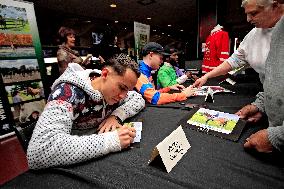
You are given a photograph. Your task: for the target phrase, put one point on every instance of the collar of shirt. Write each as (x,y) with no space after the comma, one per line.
(145,69)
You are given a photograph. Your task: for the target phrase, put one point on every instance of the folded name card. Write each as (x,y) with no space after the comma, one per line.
(171,149)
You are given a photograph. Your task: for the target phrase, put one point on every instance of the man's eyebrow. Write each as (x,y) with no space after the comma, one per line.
(123,85)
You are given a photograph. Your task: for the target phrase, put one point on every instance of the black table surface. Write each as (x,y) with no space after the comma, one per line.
(211,162)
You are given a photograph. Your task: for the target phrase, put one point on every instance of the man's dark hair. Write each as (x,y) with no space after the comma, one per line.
(120,62)
(63,32)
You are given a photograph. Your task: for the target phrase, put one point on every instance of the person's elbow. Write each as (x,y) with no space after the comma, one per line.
(141,101)
(34,156)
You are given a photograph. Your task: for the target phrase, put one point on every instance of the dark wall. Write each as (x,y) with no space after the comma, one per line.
(228,13)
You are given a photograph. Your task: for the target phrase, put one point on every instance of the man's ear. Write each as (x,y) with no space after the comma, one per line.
(105,72)
(150,54)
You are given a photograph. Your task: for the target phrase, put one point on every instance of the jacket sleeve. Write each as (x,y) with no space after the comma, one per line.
(182,79)
(131,105)
(62,57)
(276,136)
(154,96)
(223,50)
(259,101)
(52,144)
(238,58)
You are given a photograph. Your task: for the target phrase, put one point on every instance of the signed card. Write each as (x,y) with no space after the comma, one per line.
(138,128)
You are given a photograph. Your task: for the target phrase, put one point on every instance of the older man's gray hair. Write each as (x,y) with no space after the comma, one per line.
(261,3)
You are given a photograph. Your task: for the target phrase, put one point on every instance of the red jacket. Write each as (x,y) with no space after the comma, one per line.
(216,50)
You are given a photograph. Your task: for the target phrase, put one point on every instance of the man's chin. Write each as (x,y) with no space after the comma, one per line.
(112,101)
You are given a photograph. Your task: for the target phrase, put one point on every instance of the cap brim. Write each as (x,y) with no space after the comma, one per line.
(165,54)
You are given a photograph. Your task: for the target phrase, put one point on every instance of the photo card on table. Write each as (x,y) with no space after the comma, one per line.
(213,122)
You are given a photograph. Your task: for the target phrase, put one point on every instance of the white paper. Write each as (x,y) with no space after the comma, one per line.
(173,147)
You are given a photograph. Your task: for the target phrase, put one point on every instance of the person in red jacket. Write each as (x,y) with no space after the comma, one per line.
(216,49)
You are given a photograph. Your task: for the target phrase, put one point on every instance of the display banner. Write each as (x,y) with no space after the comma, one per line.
(21,65)
(141,37)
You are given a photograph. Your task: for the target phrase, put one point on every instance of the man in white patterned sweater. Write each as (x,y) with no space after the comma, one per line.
(81,103)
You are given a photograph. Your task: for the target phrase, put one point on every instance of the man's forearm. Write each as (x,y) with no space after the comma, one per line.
(222,69)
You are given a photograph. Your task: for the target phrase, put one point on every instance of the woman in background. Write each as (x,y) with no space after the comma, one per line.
(65,54)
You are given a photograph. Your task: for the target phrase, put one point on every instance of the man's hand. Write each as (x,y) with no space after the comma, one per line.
(190,75)
(87,60)
(189,91)
(259,141)
(250,113)
(126,136)
(109,124)
(200,82)
(195,77)
(176,87)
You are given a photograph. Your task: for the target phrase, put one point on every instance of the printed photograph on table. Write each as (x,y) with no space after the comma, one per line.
(27,113)
(214,120)
(19,70)
(13,19)
(22,92)
(16,45)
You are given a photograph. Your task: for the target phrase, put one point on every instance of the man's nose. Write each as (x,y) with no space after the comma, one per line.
(122,95)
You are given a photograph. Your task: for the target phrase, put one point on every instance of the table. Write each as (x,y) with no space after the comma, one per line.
(211,162)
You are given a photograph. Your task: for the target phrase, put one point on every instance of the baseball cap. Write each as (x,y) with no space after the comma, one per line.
(153,47)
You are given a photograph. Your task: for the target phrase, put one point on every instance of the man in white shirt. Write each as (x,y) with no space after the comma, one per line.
(253,51)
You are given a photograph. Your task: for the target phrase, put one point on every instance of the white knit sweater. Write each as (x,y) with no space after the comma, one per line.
(74,104)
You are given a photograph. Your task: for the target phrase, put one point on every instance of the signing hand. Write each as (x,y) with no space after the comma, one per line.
(87,60)
(176,87)
(189,91)
(250,113)
(126,136)
(188,74)
(109,124)
(200,82)
(259,141)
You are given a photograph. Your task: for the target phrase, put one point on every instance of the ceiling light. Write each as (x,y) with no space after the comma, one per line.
(113,5)
(181,30)
(116,21)
(154,30)
(163,33)
(169,35)
(169,25)
(146,2)
(88,21)
(125,28)
(149,18)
